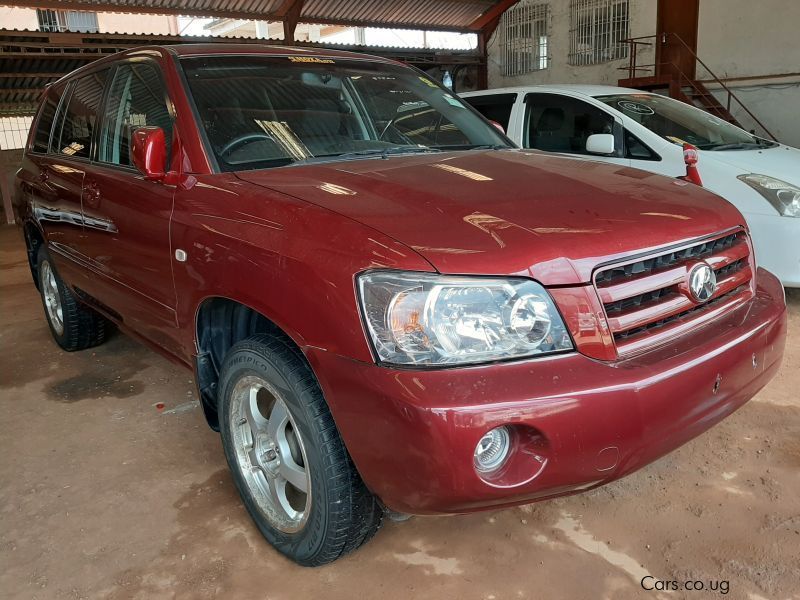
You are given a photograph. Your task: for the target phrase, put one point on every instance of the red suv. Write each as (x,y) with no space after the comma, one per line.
(386,307)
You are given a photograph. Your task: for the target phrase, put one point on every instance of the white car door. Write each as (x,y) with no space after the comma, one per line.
(563,124)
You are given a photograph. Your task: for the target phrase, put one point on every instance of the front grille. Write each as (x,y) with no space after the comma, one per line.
(649,265)
(674,318)
(647,300)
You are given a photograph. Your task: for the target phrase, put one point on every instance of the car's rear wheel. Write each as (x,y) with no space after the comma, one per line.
(287,458)
(73,325)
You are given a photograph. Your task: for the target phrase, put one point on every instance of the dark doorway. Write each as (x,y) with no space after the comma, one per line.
(677,18)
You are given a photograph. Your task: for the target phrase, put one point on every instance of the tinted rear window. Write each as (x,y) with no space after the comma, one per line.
(81,116)
(41,139)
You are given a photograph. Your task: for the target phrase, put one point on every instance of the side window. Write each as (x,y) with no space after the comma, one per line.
(136,98)
(495,107)
(557,123)
(47,114)
(637,150)
(74,131)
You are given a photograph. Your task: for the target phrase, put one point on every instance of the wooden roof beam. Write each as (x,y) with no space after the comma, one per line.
(493,14)
(289,12)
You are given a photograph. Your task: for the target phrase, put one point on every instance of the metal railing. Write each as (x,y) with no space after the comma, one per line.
(678,78)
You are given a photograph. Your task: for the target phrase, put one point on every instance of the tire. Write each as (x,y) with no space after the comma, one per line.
(271,407)
(74,326)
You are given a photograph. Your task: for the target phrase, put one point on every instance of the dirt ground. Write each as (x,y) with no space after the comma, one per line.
(105,496)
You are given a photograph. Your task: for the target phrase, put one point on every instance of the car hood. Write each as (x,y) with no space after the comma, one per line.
(509,212)
(781,162)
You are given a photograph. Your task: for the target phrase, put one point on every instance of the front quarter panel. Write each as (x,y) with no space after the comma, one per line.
(291,261)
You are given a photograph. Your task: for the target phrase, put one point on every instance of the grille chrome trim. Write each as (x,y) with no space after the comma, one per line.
(646,299)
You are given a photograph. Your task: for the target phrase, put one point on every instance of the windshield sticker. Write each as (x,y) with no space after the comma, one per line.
(453,102)
(428,82)
(635,108)
(311,59)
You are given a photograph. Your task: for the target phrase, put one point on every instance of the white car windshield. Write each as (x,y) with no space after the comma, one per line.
(678,122)
(260,112)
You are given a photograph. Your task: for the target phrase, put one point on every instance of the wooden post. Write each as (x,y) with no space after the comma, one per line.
(5,190)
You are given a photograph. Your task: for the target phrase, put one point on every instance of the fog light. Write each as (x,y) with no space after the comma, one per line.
(492,449)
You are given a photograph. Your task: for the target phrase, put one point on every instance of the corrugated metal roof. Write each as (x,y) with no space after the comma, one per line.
(430,14)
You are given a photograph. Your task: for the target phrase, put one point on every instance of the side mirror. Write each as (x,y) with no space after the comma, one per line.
(600,143)
(496,124)
(149,152)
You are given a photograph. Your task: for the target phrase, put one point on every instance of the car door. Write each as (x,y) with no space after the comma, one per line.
(62,169)
(127,218)
(563,124)
(55,201)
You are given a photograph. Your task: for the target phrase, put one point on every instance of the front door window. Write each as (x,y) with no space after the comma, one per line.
(555,123)
(136,99)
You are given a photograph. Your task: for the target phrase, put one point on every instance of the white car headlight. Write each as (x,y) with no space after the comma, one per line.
(785,197)
(427,319)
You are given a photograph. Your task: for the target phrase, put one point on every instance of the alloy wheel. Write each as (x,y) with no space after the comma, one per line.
(52,298)
(270,453)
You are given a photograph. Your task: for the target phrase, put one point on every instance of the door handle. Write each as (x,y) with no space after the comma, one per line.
(43,176)
(91,194)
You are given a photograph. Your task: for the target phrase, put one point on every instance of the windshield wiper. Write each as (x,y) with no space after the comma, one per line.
(735,146)
(382,152)
(475,147)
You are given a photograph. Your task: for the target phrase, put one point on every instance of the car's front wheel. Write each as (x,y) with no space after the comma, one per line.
(287,458)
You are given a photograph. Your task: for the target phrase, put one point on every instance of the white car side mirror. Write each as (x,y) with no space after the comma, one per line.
(600,143)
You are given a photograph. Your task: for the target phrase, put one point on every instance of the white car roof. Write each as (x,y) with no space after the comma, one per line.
(585,90)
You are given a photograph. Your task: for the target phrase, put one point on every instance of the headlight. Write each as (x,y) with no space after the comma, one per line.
(426,319)
(785,197)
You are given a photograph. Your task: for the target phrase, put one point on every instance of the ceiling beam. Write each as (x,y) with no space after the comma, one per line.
(286,7)
(30,75)
(53,55)
(495,12)
(24,91)
(289,12)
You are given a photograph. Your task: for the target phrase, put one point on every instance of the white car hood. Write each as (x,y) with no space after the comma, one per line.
(781,162)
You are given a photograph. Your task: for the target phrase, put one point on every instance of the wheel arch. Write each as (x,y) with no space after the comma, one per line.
(34,239)
(220,322)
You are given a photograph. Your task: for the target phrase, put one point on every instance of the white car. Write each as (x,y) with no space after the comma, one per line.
(647,131)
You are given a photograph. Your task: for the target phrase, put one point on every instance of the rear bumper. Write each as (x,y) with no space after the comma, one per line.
(579,422)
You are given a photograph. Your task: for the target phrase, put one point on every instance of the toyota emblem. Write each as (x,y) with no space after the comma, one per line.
(702,282)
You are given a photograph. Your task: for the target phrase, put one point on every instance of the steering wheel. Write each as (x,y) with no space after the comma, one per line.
(243,139)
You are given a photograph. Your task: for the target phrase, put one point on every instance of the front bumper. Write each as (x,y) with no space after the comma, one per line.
(412,433)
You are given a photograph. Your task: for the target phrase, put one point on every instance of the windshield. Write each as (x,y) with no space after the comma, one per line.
(261,112)
(678,122)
